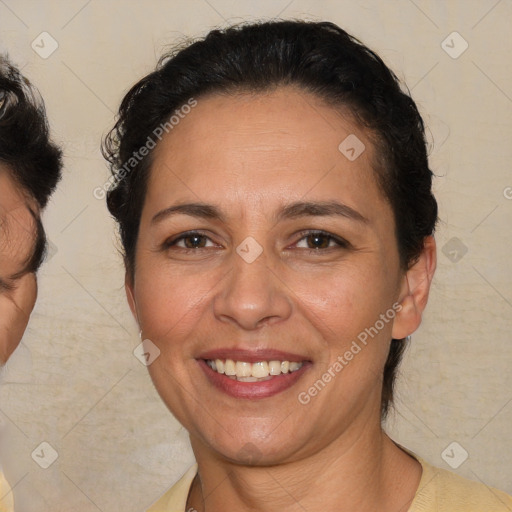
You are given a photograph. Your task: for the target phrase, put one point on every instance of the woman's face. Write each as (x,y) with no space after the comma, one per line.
(18,290)
(292,256)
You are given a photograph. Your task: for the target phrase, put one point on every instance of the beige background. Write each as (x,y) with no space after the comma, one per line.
(75,382)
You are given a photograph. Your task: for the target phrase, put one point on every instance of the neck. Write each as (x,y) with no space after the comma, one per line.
(362,471)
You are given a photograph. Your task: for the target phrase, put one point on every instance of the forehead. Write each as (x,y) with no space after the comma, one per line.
(257,148)
(11,194)
(268,123)
(17,226)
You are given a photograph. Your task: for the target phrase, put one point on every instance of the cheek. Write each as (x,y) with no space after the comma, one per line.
(345,308)
(170,299)
(345,300)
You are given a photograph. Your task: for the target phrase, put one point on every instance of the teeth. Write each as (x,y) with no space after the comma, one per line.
(229,367)
(252,372)
(274,367)
(259,369)
(243,369)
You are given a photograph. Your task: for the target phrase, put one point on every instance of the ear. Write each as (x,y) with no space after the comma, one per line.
(129,289)
(414,291)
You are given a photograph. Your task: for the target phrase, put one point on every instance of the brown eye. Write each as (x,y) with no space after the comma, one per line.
(319,240)
(191,240)
(194,241)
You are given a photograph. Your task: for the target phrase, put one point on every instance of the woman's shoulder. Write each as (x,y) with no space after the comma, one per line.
(444,491)
(6,504)
(175,499)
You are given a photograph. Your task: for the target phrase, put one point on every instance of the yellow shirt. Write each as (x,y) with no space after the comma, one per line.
(439,491)
(6,504)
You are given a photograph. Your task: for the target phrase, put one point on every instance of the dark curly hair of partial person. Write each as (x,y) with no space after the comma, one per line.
(318,57)
(26,150)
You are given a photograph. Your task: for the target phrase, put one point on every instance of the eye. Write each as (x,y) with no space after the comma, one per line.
(189,241)
(6,287)
(316,240)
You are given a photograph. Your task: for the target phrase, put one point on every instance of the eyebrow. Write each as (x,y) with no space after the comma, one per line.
(291,211)
(199,210)
(320,209)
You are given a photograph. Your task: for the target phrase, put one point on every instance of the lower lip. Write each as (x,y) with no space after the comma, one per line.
(252,390)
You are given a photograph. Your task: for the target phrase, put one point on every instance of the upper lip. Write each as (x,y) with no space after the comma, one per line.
(252,356)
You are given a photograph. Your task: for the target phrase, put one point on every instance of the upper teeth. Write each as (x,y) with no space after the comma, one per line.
(261,369)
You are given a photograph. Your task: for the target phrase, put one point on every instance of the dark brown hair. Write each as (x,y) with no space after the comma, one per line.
(26,149)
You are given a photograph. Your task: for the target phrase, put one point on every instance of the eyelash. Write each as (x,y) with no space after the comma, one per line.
(340,242)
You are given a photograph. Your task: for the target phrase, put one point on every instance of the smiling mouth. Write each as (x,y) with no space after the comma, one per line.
(244,371)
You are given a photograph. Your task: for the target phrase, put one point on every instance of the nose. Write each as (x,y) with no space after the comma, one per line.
(252,295)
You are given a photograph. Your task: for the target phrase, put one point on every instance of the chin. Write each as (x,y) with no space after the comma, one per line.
(255,449)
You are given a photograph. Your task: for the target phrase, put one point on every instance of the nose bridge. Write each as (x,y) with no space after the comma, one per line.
(253,293)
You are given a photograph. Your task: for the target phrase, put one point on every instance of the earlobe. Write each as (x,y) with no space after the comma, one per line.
(130,296)
(415,290)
